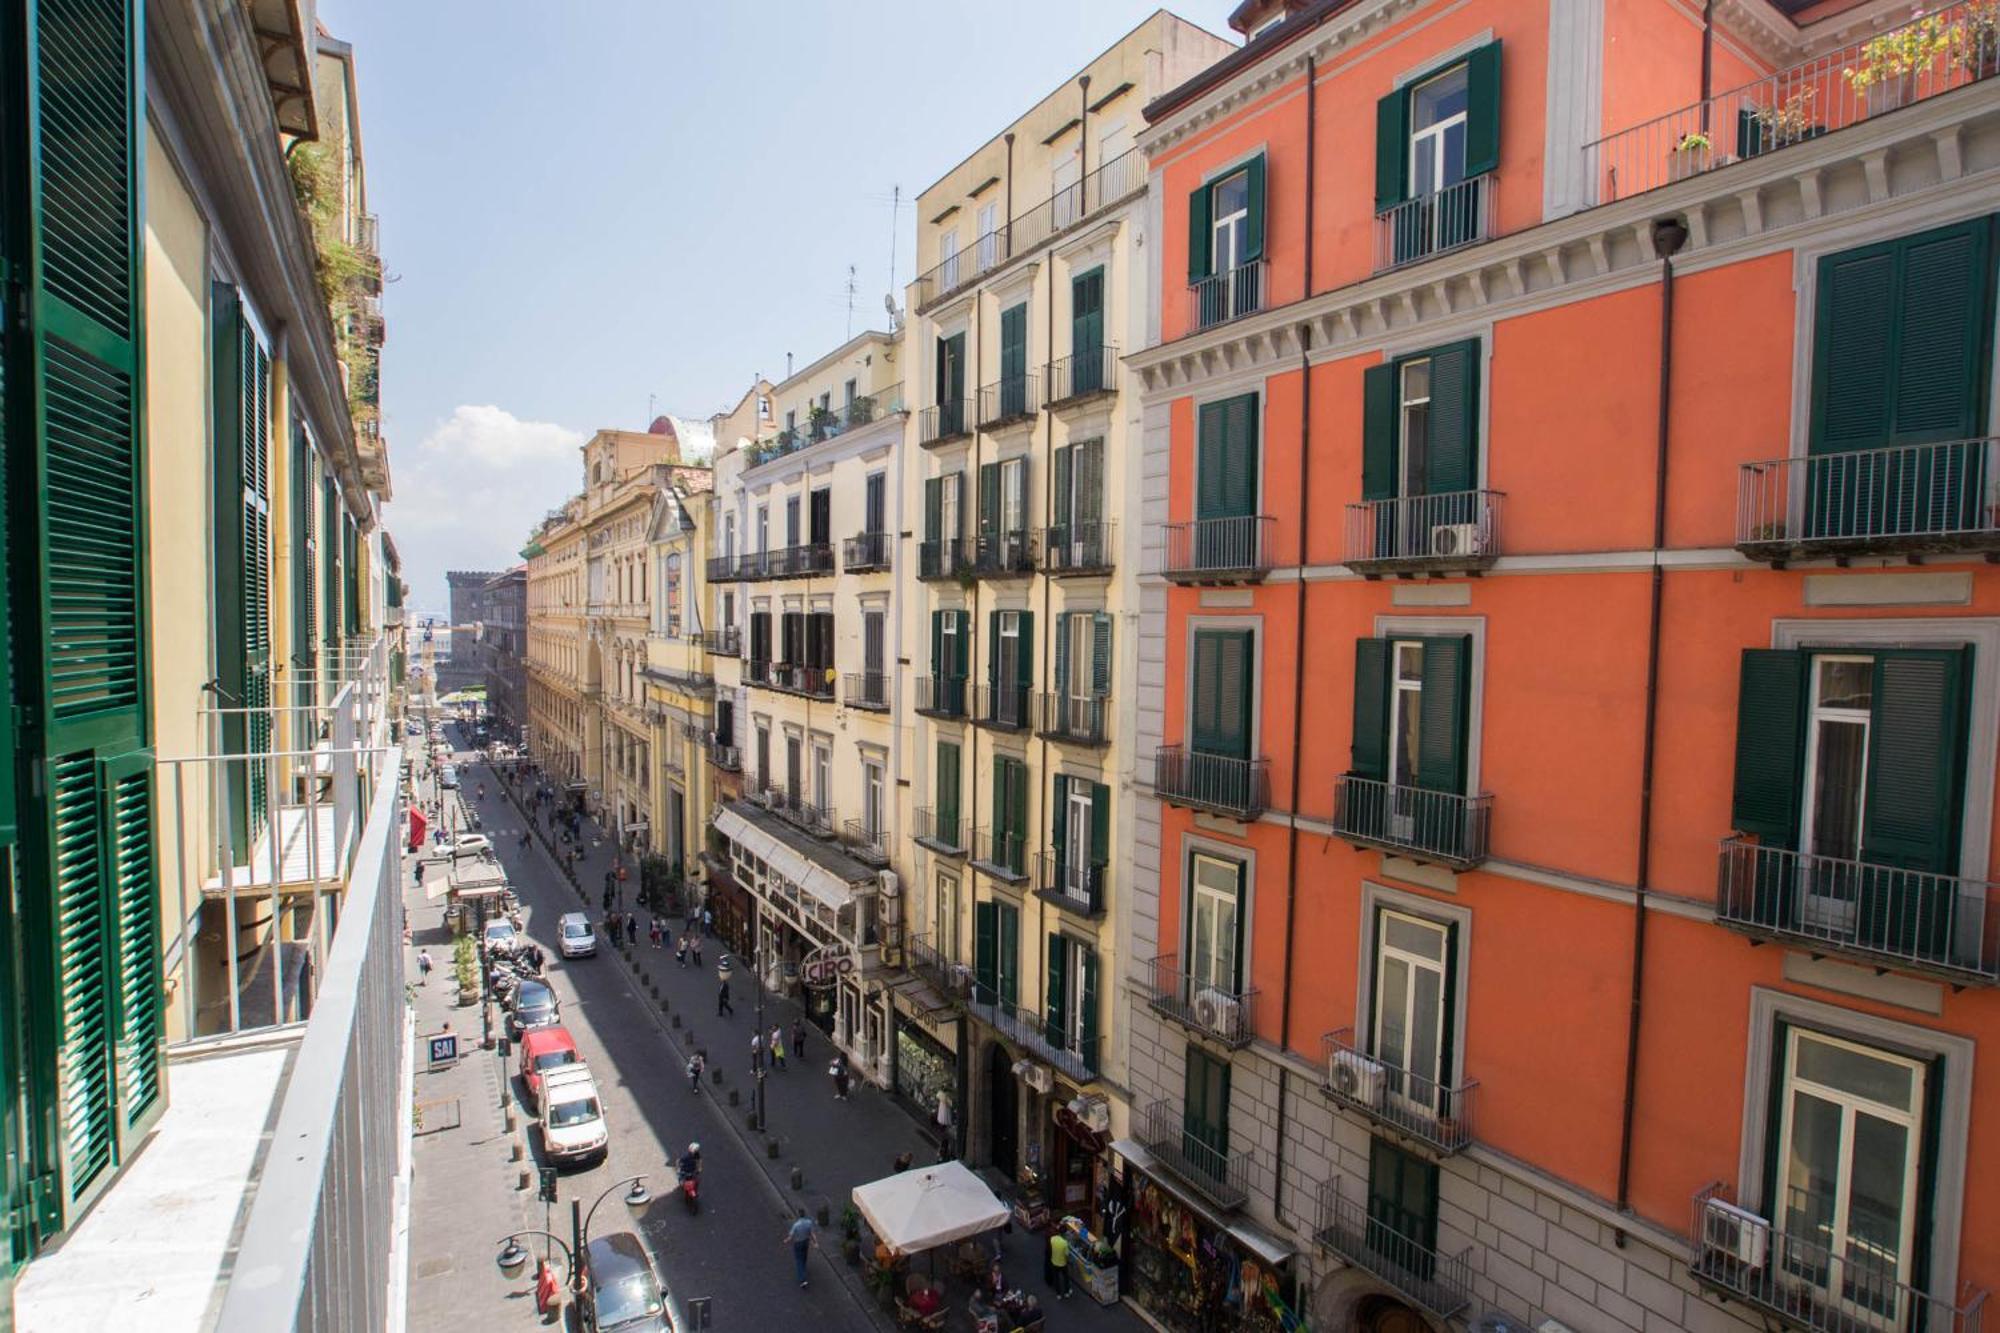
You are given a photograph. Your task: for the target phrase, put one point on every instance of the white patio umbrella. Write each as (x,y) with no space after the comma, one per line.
(926,1208)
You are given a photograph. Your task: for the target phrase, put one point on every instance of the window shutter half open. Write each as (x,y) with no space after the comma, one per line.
(1370,748)
(1024,647)
(1441,746)
(1058,1006)
(1378,432)
(1100,653)
(1253,221)
(1059,818)
(1452,464)
(1916,759)
(1199,222)
(1770,745)
(1392,149)
(1482,119)
(1943,320)
(1100,823)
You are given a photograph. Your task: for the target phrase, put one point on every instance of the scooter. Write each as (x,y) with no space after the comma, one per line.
(691,1191)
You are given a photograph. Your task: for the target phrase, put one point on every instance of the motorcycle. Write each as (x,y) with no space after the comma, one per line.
(691,1190)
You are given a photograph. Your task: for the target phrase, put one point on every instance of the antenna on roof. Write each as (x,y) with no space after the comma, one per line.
(850,300)
(895,223)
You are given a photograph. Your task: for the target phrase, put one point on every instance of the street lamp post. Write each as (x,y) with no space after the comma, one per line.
(757,981)
(512,1257)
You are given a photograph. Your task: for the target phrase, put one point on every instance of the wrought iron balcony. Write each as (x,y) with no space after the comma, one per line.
(814,682)
(1935,54)
(1080,719)
(941,833)
(750,565)
(1221,297)
(867,551)
(1200,1003)
(1071,882)
(758,672)
(1907,499)
(1082,375)
(1004,555)
(1397,1099)
(865,843)
(1005,401)
(1804,1283)
(1238,788)
(867,689)
(722,569)
(946,558)
(1433,534)
(1443,827)
(1220,1176)
(1068,1051)
(1002,707)
(825,423)
(1369,1239)
(820,821)
(1461,214)
(721,642)
(799,562)
(1942,925)
(940,967)
(728,758)
(941,696)
(1071,549)
(945,422)
(1002,855)
(1220,550)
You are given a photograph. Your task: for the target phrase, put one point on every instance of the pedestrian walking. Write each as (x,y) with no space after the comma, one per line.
(777,1047)
(1059,1265)
(801,1236)
(423,967)
(707,922)
(681,951)
(756,1052)
(631,928)
(694,1067)
(722,1002)
(944,1127)
(799,1038)
(694,948)
(902,1162)
(838,1070)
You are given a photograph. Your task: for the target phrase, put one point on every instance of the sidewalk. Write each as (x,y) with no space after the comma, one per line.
(835,1145)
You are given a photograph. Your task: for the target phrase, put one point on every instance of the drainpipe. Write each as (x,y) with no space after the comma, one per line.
(1707,59)
(1082,133)
(1669,234)
(1007,223)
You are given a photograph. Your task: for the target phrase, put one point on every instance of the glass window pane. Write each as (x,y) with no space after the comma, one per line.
(1846,684)
(1392,1035)
(1406,726)
(1875,1192)
(1417,380)
(1439,99)
(1410,661)
(1838,780)
(1417,937)
(1886,1082)
(1232,195)
(1425,1005)
(1453,155)
(1811,1170)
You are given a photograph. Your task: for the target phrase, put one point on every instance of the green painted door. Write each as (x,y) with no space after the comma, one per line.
(1086,337)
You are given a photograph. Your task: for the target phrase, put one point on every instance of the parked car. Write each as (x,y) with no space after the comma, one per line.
(448,777)
(501,937)
(544,1050)
(534,1007)
(470,844)
(573,1128)
(413,729)
(624,1291)
(578,938)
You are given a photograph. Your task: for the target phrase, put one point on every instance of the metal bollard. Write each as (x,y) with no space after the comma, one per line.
(798,1178)
(771,1148)
(735,1096)
(715,1076)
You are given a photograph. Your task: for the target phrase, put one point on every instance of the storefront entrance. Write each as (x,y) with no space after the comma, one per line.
(1003,1109)
(924,1068)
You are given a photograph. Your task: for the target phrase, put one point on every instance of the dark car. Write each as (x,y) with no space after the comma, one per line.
(534,1007)
(624,1292)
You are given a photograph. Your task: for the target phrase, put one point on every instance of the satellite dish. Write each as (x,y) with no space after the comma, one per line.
(889,303)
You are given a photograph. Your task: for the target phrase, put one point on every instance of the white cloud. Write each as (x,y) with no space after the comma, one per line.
(470,492)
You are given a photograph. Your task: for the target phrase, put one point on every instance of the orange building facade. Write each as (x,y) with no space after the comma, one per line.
(1570,672)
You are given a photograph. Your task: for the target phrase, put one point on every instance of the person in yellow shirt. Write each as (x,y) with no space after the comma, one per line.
(1059,1265)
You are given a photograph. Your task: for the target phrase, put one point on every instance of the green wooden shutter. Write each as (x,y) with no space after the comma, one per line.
(1253,219)
(128,823)
(1086,329)
(1062,642)
(1087,1003)
(1392,150)
(1916,759)
(934,510)
(961,660)
(1018,813)
(937,644)
(1378,432)
(1100,824)
(1402,1199)
(1003,819)
(989,508)
(993,650)
(1014,342)
(1944,319)
(1211,461)
(1199,226)
(1100,653)
(1447,691)
(1452,462)
(1223,697)
(1370,746)
(1064,473)
(1024,647)
(1853,350)
(1229,464)
(1059,819)
(305,551)
(329,533)
(947,790)
(986,947)
(1770,745)
(1058,1008)
(1482,118)
(1008,924)
(1205,1103)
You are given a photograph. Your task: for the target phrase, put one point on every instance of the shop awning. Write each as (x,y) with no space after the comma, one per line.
(921,1210)
(787,860)
(1261,1243)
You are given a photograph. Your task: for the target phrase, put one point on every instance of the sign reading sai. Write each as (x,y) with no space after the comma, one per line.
(825,966)
(444,1048)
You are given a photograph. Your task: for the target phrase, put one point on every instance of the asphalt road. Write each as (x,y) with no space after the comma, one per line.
(733,1250)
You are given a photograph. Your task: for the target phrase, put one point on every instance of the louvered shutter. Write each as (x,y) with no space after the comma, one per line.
(1253,217)
(1452,461)
(989,509)
(1944,314)
(1100,653)
(305,594)
(1063,470)
(1024,650)
(1059,819)
(1854,349)
(986,948)
(1087,1004)
(1008,924)
(1226,473)
(1086,331)
(1378,432)
(1013,359)
(1482,114)
(1914,808)
(1058,1006)
(993,677)
(1088,490)
(331,555)
(1392,150)
(822,516)
(937,644)
(961,656)
(1770,745)
(1062,652)
(1200,224)
(947,790)
(1447,690)
(1370,746)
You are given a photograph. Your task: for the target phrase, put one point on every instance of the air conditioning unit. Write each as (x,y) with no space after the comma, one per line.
(1216,1011)
(773,799)
(1040,1077)
(1356,1077)
(1734,1235)
(1456,539)
(1094,1112)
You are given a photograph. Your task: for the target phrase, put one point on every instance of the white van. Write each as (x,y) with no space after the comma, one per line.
(573,1128)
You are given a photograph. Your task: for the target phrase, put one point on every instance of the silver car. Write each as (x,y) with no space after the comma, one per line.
(576,937)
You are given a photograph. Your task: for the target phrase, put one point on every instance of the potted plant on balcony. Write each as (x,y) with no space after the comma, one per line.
(1887,71)
(1781,124)
(820,421)
(861,411)
(1978,40)
(1691,156)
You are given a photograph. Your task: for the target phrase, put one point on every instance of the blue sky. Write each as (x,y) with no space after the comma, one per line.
(588,202)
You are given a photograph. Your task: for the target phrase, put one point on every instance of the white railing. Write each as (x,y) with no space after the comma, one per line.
(1943,496)
(1460,214)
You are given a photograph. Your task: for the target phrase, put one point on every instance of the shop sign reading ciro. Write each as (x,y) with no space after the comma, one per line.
(825,966)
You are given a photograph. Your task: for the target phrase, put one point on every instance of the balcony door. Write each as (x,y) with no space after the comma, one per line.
(1413,989)
(1076,816)
(1086,331)
(951,384)
(823,779)
(989,238)
(875,508)
(1402,1210)
(874,687)
(1215,927)
(1846,1178)
(794,771)
(871,801)
(1836,781)
(1205,1114)
(1226,484)
(1224,698)
(1406,712)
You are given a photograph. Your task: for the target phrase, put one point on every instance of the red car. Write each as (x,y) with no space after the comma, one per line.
(543,1049)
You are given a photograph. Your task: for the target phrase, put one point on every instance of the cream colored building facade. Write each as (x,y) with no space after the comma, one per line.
(556,690)
(679,675)
(1021,635)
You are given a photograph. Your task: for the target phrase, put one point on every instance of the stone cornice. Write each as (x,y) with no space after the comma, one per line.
(1741,208)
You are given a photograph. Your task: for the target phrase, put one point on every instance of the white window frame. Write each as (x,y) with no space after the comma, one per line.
(1404,694)
(1073,992)
(948,258)
(1227,231)
(1436,132)
(1437,1076)
(989,240)
(871,798)
(1203,977)
(1077,819)
(1013,497)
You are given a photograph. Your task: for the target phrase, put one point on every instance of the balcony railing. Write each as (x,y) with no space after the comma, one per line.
(1080,548)
(944,422)
(825,423)
(1201,1003)
(1456,531)
(1003,555)
(865,842)
(1015,398)
(728,758)
(1033,226)
(749,565)
(951,978)
(944,558)
(1239,788)
(1071,882)
(1068,1051)
(867,689)
(1219,550)
(1943,925)
(758,672)
(1459,215)
(867,551)
(799,562)
(1221,297)
(721,642)
(942,833)
(1002,855)
(1002,707)
(1932,55)
(1375,1238)
(814,682)
(1083,719)
(1807,1284)
(1193,1153)
(941,696)
(1397,1099)
(1439,826)
(1939,498)
(1083,374)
